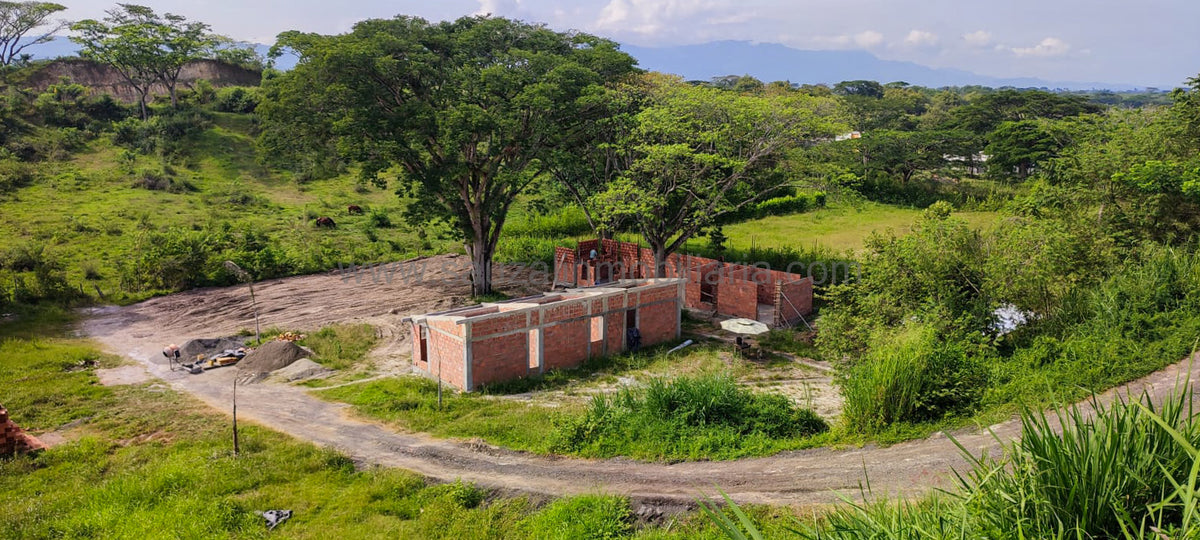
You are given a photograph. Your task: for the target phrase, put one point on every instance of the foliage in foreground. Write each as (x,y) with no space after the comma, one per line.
(688,417)
(1127,471)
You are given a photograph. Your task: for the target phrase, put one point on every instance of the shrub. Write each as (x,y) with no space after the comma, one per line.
(14,175)
(692,415)
(1126,471)
(379,218)
(236,99)
(912,377)
(586,517)
(160,180)
(777,206)
(165,134)
(525,249)
(1100,478)
(567,221)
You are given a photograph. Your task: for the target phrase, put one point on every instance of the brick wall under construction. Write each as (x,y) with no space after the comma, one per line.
(13,439)
(731,289)
(502,341)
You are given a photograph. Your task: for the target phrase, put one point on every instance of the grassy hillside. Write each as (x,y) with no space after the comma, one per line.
(102,207)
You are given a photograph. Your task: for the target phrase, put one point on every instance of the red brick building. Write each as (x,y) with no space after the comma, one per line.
(13,439)
(771,296)
(501,341)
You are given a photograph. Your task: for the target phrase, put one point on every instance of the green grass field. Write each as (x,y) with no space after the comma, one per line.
(146,462)
(839,227)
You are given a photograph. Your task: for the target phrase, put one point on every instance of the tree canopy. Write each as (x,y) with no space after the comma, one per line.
(699,153)
(466,112)
(18,19)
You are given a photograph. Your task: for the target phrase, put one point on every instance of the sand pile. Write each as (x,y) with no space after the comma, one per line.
(300,370)
(271,356)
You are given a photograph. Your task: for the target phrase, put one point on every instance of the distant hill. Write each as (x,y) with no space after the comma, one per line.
(773,62)
(765,61)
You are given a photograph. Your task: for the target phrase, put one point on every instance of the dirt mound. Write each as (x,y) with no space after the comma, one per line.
(208,346)
(272,356)
(300,370)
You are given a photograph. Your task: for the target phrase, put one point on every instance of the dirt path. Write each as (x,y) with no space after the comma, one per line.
(792,478)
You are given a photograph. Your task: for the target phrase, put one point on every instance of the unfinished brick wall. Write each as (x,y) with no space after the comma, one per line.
(14,439)
(500,358)
(500,341)
(738,298)
(707,288)
(447,355)
(794,300)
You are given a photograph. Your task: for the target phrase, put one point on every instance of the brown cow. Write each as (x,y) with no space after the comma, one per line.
(355,210)
(326,222)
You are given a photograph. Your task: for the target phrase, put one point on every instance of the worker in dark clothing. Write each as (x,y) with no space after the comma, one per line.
(633,338)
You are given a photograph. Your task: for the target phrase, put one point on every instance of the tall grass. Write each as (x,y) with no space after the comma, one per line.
(532,238)
(340,346)
(707,416)
(1124,470)
(1102,477)
(915,378)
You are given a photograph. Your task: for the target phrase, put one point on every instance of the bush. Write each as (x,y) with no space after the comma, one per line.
(236,99)
(692,416)
(1102,477)
(912,377)
(28,275)
(165,134)
(14,175)
(567,221)
(378,218)
(586,517)
(777,206)
(161,180)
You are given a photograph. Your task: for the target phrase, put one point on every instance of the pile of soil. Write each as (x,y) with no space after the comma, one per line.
(272,356)
(206,347)
(301,370)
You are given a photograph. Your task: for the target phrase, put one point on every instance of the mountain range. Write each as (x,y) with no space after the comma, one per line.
(764,61)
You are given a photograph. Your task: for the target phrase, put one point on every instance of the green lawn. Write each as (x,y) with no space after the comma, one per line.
(549,420)
(146,462)
(839,227)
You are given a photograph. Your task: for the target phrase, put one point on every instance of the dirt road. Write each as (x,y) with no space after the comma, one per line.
(793,478)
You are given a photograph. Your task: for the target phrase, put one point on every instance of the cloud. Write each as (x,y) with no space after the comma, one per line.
(497,7)
(1048,47)
(978,39)
(921,38)
(868,39)
(653,16)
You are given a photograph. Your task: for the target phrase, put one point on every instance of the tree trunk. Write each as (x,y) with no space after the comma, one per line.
(481,266)
(660,259)
(142,106)
(174,98)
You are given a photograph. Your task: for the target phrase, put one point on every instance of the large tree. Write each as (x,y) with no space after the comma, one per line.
(700,152)
(466,111)
(18,19)
(183,41)
(130,41)
(145,47)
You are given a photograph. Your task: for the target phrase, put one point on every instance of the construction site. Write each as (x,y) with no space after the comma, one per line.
(496,342)
(772,297)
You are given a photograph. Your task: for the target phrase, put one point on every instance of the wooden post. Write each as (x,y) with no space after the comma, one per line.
(235,431)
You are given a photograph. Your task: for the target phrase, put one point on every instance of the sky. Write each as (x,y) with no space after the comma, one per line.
(1138,42)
